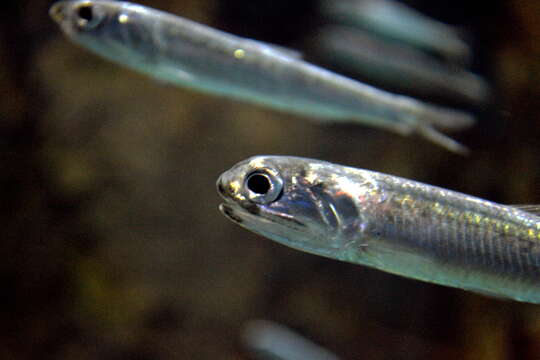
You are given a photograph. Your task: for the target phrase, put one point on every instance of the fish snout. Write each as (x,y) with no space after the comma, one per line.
(221,187)
(228,185)
(227,193)
(57,11)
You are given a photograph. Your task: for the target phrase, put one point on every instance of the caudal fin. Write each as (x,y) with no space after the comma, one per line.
(444,118)
(426,120)
(441,139)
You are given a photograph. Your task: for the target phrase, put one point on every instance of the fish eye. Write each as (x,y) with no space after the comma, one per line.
(259,183)
(263,187)
(88,17)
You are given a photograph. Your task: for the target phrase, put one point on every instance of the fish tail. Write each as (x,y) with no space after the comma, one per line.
(427,120)
(437,137)
(445,119)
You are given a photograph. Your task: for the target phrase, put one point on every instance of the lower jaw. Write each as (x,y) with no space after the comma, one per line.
(228,211)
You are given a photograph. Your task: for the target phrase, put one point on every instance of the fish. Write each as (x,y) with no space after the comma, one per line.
(388,223)
(268,340)
(185,53)
(399,66)
(402,24)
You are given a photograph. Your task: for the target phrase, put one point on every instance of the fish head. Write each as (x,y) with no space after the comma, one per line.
(289,200)
(113,29)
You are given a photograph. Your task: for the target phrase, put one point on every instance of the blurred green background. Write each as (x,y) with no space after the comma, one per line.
(112,245)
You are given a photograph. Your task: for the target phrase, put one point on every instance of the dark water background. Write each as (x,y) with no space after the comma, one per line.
(112,246)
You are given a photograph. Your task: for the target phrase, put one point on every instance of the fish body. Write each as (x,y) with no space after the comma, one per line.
(388,223)
(189,54)
(401,23)
(399,66)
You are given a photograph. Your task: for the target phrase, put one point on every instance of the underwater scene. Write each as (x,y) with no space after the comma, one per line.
(232,179)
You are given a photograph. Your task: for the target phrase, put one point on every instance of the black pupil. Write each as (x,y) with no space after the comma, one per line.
(85,12)
(259,184)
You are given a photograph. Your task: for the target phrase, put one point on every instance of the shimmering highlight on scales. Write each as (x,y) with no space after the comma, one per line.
(186,53)
(389,223)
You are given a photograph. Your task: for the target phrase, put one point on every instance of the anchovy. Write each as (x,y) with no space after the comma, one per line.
(268,340)
(389,223)
(397,65)
(189,54)
(399,22)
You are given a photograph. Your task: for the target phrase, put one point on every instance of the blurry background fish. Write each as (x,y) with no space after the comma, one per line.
(268,340)
(392,45)
(397,21)
(112,244)
(399,67)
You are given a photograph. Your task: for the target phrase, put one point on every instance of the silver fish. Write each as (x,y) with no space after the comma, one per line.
(186,53)
(397,65)
(399,22)
(388,223)
(268,340)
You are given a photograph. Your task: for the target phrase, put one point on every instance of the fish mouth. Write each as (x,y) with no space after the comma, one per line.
(230,208)
(229,212)
(244,212)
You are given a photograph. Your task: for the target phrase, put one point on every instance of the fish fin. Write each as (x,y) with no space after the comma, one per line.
(184,76)
(282,50)
(170,75)
(445,119)
(532,209)
(441,139)
(463,57)
(425,119)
